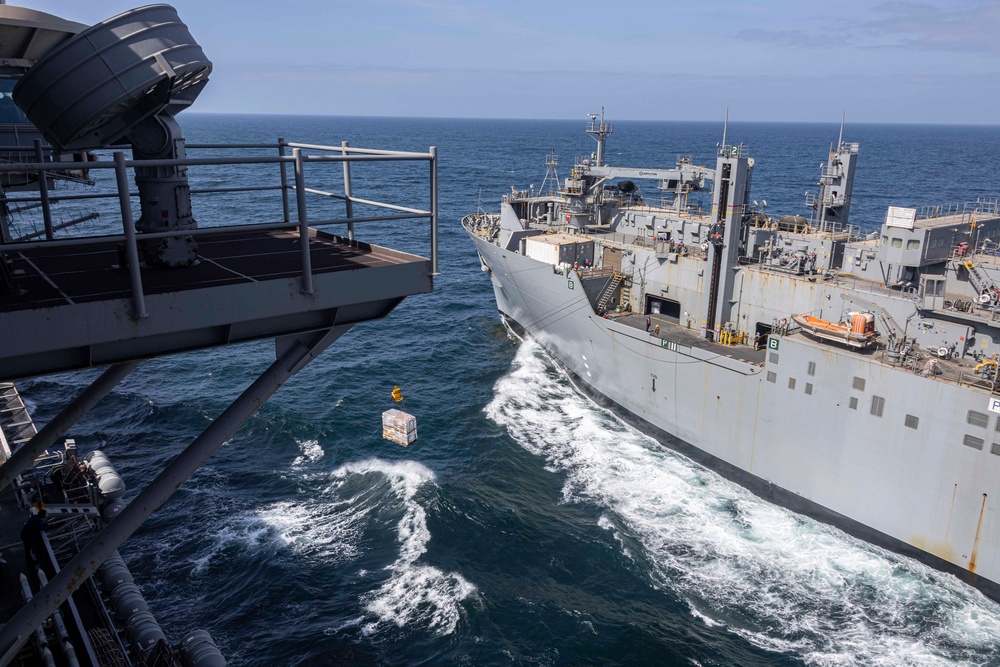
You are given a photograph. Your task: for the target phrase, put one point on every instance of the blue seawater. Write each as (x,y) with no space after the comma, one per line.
(526,526)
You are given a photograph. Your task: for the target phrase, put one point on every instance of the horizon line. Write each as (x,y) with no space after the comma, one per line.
(583,119)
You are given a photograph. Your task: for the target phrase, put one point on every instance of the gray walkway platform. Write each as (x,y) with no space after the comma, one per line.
(692,338)
(77,309)
(69,275)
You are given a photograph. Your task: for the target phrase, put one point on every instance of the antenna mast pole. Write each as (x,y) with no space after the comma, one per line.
(725,127)
(600,132)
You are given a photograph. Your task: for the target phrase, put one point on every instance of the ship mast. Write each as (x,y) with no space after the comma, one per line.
(600,131)
(551,172)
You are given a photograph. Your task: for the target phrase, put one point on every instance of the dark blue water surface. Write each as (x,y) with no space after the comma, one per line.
(526,525)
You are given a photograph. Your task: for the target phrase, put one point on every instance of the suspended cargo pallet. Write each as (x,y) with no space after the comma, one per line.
(399,426)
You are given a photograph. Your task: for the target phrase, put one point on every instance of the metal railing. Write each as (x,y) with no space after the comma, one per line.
(982,206)
(317,156)
(733,150)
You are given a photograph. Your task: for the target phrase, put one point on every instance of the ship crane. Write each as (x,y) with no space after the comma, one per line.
(690,175)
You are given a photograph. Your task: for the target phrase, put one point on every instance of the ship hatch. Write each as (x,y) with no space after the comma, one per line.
(666,309)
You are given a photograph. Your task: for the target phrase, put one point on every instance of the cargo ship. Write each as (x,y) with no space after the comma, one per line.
(846,373)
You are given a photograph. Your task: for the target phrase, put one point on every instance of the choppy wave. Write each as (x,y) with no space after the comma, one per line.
(783,582)
(415,593)
(327,527)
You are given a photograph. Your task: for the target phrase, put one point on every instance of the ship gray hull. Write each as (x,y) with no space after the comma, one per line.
(805,441)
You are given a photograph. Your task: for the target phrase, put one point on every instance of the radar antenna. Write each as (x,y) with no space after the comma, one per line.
(126,78)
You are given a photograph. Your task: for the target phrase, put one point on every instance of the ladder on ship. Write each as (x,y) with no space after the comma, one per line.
(14,418)
(980,281)
(608,293)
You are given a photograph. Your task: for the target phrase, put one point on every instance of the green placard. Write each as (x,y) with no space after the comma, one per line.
(570,284)
(772,343)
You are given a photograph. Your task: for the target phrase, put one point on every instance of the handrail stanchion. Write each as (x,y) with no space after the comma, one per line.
(300,200)
(43,191)
(347,192)
(284,180)
(434,211)
(131,249)
(5,236)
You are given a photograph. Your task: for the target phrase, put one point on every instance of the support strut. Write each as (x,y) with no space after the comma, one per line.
(74,573)
(25,455)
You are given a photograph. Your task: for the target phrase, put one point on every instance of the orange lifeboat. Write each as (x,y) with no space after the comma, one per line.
(857,332)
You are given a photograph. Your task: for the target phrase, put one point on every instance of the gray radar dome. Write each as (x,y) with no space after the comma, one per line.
(92,89)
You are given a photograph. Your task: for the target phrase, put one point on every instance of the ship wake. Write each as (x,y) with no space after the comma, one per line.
(781,581)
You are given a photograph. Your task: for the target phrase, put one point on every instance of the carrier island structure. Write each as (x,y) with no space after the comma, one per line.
(850,377)
(165,272)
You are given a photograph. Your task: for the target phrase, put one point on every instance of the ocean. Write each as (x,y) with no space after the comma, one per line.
(527,525)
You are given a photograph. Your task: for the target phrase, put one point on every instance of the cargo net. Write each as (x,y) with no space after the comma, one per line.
(105,648)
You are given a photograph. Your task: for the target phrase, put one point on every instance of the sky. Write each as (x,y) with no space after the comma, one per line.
(930,61)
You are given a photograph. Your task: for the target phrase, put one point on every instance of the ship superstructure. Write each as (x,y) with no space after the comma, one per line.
(850,376)
(99,103)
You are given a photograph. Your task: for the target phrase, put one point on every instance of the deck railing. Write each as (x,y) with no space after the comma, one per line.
(983,206)
(303,158)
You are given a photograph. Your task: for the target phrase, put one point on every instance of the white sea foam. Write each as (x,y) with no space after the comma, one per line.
(783,582)
(317,529)
(311,452)
(414,593)
(327,527)
(314,529)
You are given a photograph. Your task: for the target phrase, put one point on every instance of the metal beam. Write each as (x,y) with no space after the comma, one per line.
(131,249)
(434,211)
(300,205)
(43,191)
(26,454)
(18,630)
(347,193)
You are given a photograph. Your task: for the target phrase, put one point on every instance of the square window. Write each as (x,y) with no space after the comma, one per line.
(791,383)
(911,421)
(977,419)
(772,376)
(853,403)
(972,441)
(773,359)
(809,388)
(878,405)
(859,384)
(995,448)
(812,368)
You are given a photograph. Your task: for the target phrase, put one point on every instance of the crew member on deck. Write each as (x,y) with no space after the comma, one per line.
(31,535)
